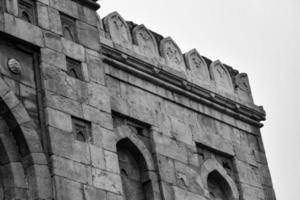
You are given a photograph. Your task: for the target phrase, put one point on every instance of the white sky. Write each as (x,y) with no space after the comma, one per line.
(259,37)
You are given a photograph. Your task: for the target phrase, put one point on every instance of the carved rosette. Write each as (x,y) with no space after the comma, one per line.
(117,28)
(221,76)
(172,54)
(146,41)
(197,70)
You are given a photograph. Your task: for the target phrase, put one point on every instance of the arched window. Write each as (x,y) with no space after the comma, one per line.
(218,187)
(133,171)
(68,33)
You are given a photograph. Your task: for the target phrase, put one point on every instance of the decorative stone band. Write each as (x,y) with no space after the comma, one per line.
(89,3)
(144,44)
(250,114)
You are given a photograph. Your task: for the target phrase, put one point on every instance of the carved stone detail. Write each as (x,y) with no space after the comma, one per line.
(221,76)
(242,82)
(118,28)
(197,70)
(243,87)
(172,53)
(14,66)
(146,41)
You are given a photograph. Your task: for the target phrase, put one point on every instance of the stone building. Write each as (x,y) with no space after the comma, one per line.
(104,109)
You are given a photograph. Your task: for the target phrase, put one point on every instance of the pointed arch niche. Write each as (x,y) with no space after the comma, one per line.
(136,164)
(217,183)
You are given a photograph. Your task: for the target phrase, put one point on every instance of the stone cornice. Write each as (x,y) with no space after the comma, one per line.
(251,114)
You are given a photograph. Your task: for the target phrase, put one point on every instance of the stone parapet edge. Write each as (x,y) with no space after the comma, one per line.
(152,73)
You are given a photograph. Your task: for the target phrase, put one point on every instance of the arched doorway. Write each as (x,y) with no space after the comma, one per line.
(24,172)
(132,168)
(218,187)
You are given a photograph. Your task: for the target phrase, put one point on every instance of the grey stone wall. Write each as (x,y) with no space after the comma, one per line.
(142,120)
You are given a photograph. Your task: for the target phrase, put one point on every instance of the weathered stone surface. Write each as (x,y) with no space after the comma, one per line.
(107,181)
(23,30)
(72,170)
(67,189)
(42,15)
(118,29)
(184,123)
(146,41)
(54,20)
(172,53)
(73,50)
(53,41)
(55,58)
(197,70)
(88,36)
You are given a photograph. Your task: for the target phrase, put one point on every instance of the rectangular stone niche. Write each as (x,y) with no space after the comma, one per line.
(27,10)
(74,68)
(81,130)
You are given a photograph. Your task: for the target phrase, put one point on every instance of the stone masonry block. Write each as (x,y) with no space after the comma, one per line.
(88,16)
(70,169)
(98,96)
(112,196)
(88,36)
(54,20)
(94,115)
(13,175)
(63,144)
(52,41)
(12,7)
(64,104)
(166,169)
(111,161)
(95,69)
(103,138)
(68,7)
(73,50)
(107,181)
(24,30)
(97,157)
(184,194)
(54,58)
(169,147)
(92,193)
(59,120)
(42,15)
(248,174)
(67,189)
(181,131)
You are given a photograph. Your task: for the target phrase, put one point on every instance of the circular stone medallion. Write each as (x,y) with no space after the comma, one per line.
(14,65)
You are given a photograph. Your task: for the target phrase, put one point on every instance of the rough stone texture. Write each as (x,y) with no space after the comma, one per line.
(189,125)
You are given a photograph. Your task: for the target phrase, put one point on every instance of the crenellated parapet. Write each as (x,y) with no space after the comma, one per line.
(142,43)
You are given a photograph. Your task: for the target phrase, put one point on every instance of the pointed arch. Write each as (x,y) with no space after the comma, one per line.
(130,147)
(221,76)
(22,149)
(118,29)
(172,54)
(145,40)
(212,169)
(125,131)
(197,70)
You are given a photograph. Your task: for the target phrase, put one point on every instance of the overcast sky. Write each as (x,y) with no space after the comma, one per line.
(259,37)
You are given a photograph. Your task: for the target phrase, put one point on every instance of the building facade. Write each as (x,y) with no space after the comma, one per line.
(104,109)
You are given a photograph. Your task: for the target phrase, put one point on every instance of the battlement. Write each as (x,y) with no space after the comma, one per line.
(164,54)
